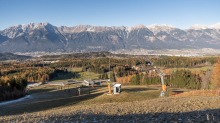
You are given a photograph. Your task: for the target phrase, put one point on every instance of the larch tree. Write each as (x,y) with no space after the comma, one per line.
(216,76)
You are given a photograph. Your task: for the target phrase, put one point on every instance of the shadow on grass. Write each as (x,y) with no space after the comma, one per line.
(137,89)
(39,91)
(178,91)
(33,106)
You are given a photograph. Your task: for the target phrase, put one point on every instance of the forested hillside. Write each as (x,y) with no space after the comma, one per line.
(11,56)
(183,62)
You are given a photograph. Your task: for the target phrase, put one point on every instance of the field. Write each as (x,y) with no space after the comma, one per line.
(7,61)
(205,68)
(79,75)
(133,104)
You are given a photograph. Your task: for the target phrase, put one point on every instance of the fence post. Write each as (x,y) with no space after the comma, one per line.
(203,92)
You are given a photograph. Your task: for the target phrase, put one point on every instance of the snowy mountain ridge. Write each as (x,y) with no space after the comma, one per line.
(46,37)
(199,27)
(155,28)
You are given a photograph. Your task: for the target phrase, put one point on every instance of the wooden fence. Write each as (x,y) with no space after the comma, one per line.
(197,93)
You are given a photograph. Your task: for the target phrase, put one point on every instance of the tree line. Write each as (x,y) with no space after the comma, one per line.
(183,62)
(180,78)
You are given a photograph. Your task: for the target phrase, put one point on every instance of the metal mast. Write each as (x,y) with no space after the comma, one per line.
(109,69)
(75,73)
(109,76)
(161,76)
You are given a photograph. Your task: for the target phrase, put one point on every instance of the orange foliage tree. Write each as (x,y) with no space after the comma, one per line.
(216,75)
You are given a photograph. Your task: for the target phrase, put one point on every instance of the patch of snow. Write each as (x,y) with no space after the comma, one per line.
(90,30)
(17,100)
(155,28)
(139,26)
(199,27)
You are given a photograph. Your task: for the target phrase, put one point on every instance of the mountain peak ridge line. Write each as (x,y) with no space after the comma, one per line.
(33,37)
(190,27)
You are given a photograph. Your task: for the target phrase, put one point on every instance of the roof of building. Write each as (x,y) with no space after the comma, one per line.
(117,85)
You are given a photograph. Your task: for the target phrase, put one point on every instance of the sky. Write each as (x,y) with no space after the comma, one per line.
(178,13)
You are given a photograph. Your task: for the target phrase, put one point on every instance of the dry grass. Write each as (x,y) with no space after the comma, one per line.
(134,104)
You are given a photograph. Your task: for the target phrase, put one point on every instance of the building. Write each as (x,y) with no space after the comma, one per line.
(88,82)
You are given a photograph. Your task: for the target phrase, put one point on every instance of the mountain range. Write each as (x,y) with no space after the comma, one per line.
(34,37)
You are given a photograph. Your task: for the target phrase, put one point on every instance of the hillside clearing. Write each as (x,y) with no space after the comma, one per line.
(134,104)
(182,109)
(205,68)
(79,75)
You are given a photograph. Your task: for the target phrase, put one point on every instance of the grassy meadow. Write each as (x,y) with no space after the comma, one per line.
(204,68)
(79,75)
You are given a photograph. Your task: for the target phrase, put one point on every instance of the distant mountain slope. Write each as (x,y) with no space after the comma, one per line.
(11,56)
(46,37)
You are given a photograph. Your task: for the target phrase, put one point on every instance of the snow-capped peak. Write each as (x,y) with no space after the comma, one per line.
(198,27)
(139,26)
(20,29)
(160,26)
(155,28)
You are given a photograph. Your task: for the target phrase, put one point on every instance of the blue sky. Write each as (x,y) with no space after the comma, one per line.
(179,13)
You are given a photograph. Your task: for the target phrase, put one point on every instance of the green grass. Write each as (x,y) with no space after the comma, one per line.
(205,68)
(49,88)
(86,75)
(8,61)
(81,75)
(63,77)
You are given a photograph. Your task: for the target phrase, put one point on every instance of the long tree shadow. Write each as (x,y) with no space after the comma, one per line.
(45,102)
(138,89)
